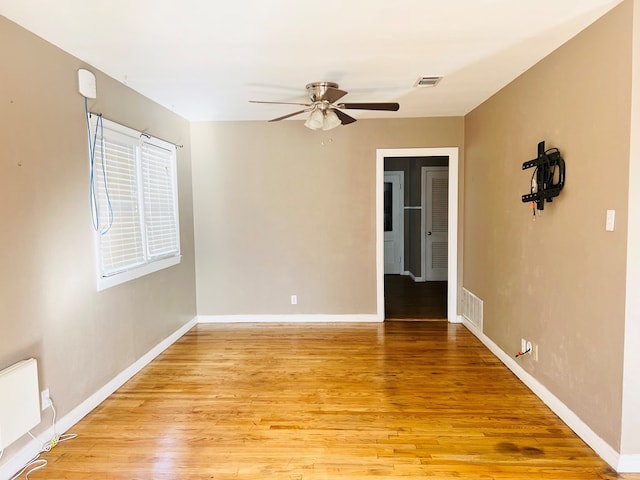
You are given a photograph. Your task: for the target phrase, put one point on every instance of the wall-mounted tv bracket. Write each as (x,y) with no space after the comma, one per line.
(548,177)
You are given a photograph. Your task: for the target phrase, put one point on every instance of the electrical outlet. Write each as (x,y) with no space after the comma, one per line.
(294,299)
(45,399)
(534,351)
(523,345)
(529,348)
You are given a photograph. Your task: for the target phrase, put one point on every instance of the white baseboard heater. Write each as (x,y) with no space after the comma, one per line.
(19,401)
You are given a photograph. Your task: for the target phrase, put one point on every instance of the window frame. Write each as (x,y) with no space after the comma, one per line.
(149,264)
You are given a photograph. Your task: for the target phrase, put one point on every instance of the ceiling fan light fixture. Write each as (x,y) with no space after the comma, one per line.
(331,120)
(325,111)
(315,120)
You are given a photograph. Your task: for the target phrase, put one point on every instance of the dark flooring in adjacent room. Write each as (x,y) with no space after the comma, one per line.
(406,299)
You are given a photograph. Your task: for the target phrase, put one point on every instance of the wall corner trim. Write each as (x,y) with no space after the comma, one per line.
(629,463)
(291,318)
(30,450)
(602,448)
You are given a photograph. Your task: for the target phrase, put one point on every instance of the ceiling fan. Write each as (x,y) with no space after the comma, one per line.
(325,112)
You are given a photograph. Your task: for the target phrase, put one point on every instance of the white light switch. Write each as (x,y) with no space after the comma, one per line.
(611,220)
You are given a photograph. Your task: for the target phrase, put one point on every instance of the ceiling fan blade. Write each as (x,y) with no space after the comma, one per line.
(392,107)
(333,94)
(280,103)
(344,118)
(289,115)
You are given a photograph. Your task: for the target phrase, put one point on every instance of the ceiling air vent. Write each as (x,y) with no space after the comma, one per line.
(427,81)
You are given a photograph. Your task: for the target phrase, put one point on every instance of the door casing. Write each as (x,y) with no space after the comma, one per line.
(452,264)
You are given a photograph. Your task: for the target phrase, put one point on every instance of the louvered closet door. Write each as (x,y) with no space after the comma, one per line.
(437,225)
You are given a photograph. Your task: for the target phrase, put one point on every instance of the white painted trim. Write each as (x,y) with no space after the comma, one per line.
(630,436)
(452,153)
(622,463)
(302,318)
(137,272)
(629,464)
(413,277)
(602,448)
(26,453)
(23,456)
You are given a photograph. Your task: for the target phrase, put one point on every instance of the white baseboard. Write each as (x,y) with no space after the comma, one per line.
(629,464)
(413,277)
(621,463)
(290,318)
(602,448)
(19,459)
(26,453)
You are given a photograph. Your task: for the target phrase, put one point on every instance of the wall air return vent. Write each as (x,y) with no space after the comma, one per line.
(472,309)
(427,82)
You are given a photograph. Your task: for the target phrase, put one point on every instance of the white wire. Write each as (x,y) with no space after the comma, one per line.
(93,200)
(37,463)
(17,475)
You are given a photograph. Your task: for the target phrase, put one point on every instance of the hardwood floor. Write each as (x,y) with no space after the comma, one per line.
(390,401)
(405,299)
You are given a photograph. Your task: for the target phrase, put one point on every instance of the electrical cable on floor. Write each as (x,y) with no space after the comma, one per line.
(37,463)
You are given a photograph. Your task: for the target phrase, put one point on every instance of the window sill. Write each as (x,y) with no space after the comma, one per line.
(117,279)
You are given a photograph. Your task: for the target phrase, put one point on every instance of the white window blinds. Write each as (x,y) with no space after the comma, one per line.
(159,201)
(136,196)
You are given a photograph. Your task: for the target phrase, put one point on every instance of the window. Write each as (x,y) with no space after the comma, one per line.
(135,204)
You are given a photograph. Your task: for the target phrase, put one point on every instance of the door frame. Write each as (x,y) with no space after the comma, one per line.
(423,222)
(452,264)
(400,175)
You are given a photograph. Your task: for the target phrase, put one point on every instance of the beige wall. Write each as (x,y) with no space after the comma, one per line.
(49,307)
(558,281)
(280,210)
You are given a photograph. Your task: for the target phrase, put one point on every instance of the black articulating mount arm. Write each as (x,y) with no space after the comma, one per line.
(548,177)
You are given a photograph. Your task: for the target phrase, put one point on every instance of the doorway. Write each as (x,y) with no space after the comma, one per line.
(417,289)
(452,220)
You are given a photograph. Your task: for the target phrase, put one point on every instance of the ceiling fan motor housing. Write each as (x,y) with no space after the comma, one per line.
(317,90)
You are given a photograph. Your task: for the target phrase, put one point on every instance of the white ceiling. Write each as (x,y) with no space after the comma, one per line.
(205,59)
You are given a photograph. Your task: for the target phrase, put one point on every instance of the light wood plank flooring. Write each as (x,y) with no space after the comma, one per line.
(401,400)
